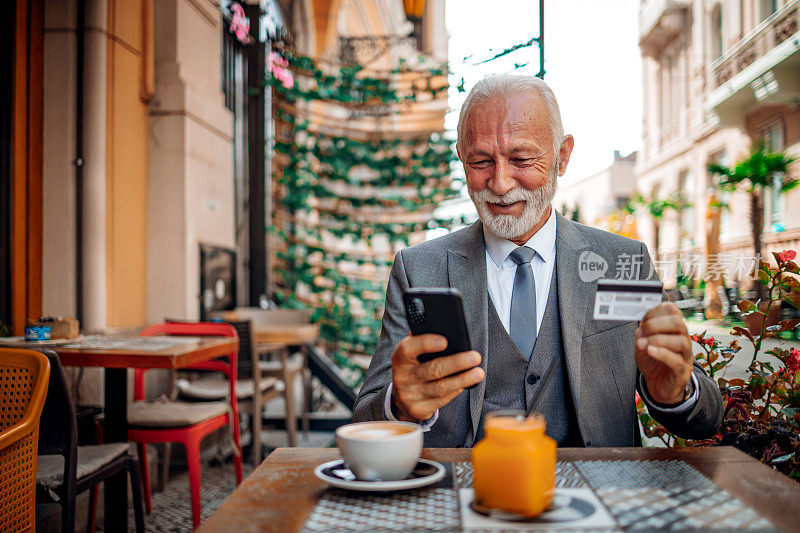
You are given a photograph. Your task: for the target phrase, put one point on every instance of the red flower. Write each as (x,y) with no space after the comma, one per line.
(793,361)
(696,338)
(787,255)
(710,341)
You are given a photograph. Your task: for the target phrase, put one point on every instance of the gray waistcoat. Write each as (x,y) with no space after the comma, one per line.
(511,379)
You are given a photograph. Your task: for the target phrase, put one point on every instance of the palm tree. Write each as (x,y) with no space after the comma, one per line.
(761,170)
(657,208)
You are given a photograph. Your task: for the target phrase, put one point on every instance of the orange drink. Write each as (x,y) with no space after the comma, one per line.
(515,464)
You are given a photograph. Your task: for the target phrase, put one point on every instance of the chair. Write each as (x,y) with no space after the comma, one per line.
(210,388)
(66,469)
(285,367)
(185,422)
(23,388)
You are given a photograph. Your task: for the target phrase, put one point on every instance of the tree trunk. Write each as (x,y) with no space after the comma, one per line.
(656,237)
(757,227)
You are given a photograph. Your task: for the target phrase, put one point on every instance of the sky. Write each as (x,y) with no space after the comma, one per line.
(592,63)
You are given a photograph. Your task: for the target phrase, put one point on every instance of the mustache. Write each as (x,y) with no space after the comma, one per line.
(517,194)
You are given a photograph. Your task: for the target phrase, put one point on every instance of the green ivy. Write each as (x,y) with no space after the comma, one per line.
(404,175)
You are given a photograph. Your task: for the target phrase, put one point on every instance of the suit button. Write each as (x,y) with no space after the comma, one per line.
(532,379)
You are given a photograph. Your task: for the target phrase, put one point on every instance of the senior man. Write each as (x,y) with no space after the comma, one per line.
(525,302)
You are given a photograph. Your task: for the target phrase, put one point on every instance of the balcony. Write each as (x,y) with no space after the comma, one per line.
(659,21)
(760,69)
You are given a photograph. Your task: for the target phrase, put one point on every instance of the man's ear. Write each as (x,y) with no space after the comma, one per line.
(563,155)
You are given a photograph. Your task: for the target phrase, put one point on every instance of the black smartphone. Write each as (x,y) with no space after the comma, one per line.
(440,311)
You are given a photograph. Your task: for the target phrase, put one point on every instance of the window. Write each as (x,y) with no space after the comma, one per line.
(720,157)
(716,32)
(773,219)
(687,222)
(669,98)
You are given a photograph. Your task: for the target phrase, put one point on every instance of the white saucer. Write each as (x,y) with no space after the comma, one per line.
(337,474)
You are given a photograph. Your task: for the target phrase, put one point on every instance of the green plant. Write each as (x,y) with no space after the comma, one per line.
(346,203)
(762,410)
(657,208)
(760,170)
(4,330)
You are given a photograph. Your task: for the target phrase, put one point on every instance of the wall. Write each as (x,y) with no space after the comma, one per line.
(190,143)
(126,166)
(58,147)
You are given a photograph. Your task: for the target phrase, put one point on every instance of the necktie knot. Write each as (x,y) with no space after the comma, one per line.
(522,255)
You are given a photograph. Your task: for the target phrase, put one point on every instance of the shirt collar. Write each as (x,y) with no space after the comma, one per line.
(543,242)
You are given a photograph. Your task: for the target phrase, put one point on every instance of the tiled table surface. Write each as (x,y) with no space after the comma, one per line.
(633,488)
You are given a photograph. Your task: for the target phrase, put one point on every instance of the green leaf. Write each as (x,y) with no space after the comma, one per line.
(793,288)
(782,458)
(789,325)
(745,306)
(740,331)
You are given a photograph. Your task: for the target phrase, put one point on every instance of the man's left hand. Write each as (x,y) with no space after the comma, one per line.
(664,353)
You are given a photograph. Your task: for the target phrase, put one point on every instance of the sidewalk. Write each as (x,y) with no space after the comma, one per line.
(737,368)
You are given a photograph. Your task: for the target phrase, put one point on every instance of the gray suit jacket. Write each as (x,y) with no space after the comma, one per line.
(599,355)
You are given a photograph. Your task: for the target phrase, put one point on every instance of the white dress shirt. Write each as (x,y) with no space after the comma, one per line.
(500,273)
(501,270)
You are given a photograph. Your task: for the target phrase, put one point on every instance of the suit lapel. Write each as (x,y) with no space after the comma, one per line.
(573,299)
(466,271)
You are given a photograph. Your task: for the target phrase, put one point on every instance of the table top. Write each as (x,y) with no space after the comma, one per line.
(282,492)
(285,327)
(288,335)
(197,349)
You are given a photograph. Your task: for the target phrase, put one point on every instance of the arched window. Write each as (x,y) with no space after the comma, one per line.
(716,32)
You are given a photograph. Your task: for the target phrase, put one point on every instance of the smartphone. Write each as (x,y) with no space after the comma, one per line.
(440,311)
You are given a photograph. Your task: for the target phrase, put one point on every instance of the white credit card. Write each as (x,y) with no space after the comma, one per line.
(619,299)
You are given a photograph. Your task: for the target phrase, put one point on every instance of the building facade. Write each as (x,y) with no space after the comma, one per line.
(597,196)
(717,76)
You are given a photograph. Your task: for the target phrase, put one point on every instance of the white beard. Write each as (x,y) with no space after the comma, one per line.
(536,203)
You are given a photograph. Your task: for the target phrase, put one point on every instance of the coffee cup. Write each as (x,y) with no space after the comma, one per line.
(380,450)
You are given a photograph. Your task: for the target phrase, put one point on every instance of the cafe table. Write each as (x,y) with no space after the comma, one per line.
(116,355)
(637,488)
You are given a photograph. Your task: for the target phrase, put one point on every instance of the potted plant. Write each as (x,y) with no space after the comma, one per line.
(762,410)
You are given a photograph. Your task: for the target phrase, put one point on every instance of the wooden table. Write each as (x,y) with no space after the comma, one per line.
(116,362)
(283,490)
(287,335)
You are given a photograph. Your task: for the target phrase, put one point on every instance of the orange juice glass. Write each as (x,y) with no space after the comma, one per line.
(515,464)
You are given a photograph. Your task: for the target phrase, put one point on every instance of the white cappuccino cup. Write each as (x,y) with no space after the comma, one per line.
(380,450)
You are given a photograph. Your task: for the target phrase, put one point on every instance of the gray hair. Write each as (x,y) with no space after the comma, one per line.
(505,86)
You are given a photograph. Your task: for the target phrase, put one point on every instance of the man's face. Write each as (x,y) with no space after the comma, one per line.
(509,163)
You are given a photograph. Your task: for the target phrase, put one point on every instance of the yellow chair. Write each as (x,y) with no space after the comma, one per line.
(24,376)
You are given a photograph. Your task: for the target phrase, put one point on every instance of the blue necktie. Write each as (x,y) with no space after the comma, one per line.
(523,302)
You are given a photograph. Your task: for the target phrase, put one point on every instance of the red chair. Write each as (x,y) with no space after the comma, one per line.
(185,422)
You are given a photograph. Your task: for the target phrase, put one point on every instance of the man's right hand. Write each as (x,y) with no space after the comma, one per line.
(419,389)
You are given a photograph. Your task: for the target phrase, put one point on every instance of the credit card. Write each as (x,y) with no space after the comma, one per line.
(621,299)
